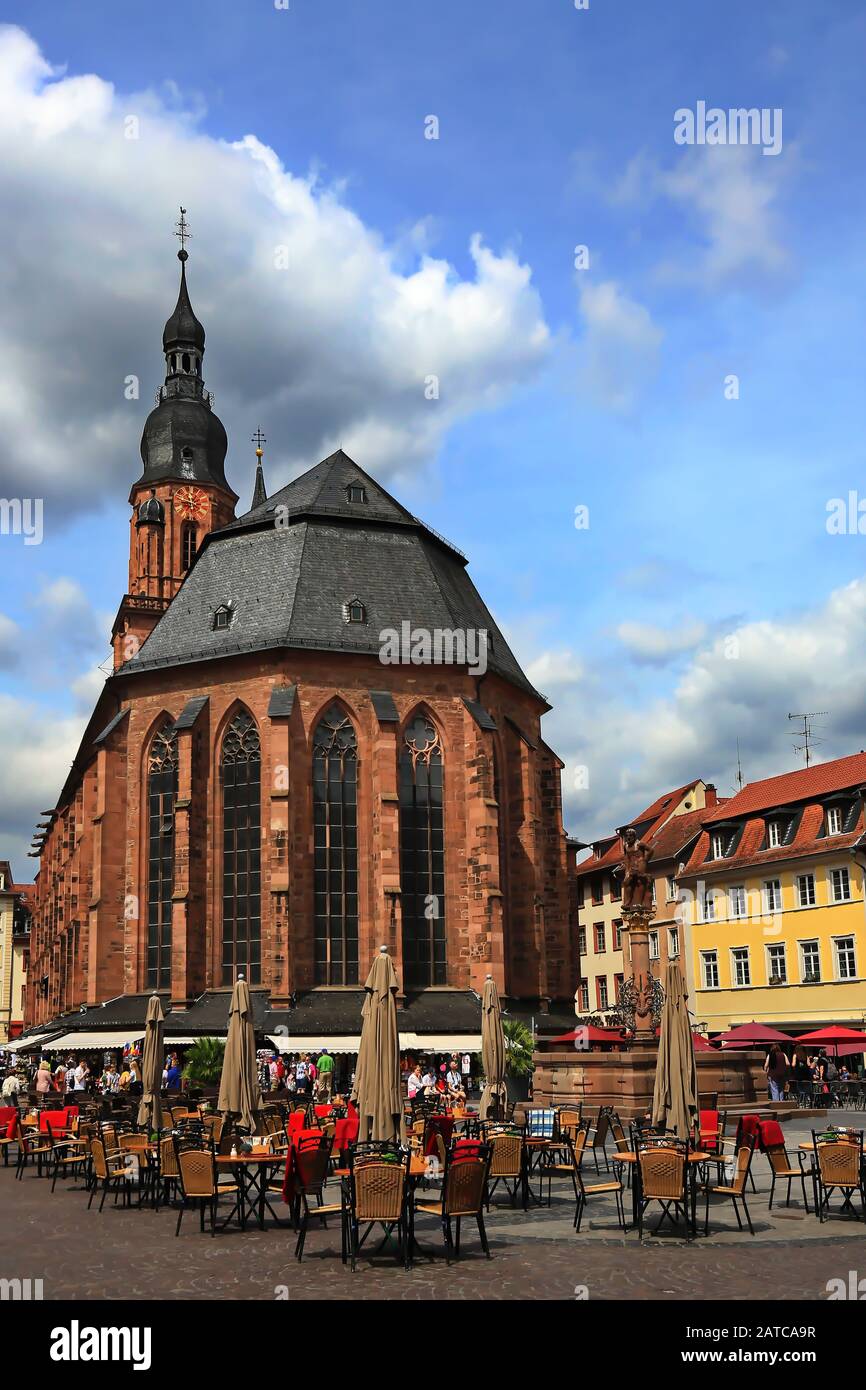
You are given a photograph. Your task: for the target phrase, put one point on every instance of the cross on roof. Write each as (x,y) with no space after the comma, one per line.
(259,439)
(183,232)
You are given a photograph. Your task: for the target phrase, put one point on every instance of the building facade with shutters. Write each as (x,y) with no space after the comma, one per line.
(305,750)
(774,898)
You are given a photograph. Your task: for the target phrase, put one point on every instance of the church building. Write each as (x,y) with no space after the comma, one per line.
(315,740)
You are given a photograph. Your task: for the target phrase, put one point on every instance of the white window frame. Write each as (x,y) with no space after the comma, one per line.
(673,943)
(804,968)
(736,983)
(653,938)
(718,844)
(583,990)
(775,947)
(774,906)
(837,940)
(801,879)
(738,888)
(774,834)
(710,959)
(839,869)
(601,982)
(835,820)
(708,906)
(672,888)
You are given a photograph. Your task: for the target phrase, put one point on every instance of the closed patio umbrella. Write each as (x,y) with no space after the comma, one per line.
(675,1097)
(240,1094)
(376,1092)
(492,1050)
(150,1106)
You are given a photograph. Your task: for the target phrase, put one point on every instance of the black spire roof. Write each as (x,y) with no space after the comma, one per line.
(182,438)
(183,328)
(291,566)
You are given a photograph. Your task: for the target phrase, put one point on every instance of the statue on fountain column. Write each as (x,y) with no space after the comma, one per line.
(636,879)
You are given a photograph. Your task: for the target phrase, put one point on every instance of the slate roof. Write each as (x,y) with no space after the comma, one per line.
(287,576)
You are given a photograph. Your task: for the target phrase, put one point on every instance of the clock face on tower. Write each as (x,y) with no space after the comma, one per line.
(191,502)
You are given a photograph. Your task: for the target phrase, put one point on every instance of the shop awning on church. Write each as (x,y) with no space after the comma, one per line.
(85,1042)
(283,1043)
(440,1042)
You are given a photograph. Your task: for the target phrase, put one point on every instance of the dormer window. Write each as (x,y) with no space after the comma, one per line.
(354,611)
(356,492)
(834,820)
(718,844)
(222,618)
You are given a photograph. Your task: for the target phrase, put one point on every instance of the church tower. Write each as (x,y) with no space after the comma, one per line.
(182,493)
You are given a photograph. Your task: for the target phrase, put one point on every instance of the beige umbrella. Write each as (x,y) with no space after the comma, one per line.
(150,1107)
(492,1050)
(240,1094)
(376,1092)
(675,1098)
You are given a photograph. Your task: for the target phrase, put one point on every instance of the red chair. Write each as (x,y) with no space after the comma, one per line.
(8,1129)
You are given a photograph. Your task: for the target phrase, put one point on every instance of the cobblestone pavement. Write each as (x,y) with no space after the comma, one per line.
(134,1254)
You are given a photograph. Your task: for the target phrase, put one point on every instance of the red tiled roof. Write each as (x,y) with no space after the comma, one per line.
(808,840)
(671,831)
(802,785)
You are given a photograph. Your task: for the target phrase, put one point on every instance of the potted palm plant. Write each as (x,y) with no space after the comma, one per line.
(519,1066)
(203,1066)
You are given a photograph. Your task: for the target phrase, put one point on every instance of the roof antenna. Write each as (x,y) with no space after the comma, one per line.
(739,768)
(809,738)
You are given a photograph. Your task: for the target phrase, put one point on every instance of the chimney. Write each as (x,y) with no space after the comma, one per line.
(712,796)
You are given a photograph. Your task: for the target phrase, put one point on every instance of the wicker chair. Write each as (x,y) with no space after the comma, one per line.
(599,1133)
(32,1144)
(464,1185)
(309,1173)
(71,1159)
(507,1165)
(735,1191)
(569,1121)
(108,1172)
(838,1164)
(377,1192)
(198,1182)
(781,1167)
(663,1179)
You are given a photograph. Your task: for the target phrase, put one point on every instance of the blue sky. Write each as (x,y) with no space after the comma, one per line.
(707,515)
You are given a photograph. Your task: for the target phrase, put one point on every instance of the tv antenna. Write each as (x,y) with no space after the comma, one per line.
(809,738)
(739,768)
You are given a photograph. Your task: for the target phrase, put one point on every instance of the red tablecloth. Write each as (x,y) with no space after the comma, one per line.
(322,1111)
(438,1124)
(346,1133)
(288,1184)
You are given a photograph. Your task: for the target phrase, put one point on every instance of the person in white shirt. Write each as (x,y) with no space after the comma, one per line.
(415,1082)
(80,1075)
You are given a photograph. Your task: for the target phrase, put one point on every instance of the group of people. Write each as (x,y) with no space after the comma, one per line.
(76,1075)
(452,1080)
(300,1074)
(785,1076)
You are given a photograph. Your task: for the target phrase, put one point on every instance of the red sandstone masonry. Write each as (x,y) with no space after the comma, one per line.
(518,928)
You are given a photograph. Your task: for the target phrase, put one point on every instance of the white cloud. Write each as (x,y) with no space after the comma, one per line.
(10,637)
(741,685)
(619,352)
(36,751)
(335,347)
(656,646)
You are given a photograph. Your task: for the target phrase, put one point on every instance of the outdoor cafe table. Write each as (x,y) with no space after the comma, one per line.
(251,1174)
(693,1158)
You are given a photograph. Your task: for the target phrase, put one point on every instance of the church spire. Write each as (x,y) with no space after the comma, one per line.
(260,495)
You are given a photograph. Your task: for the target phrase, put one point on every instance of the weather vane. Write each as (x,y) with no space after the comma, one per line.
(259,439)
(183,233)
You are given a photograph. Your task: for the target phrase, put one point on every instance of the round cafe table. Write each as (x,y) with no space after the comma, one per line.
(251,1172)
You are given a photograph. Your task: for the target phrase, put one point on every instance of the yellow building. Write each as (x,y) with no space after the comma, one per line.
(772,903)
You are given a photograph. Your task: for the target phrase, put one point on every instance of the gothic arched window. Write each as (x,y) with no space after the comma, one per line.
(187,546)
(335,818)
(241,776)
(422,856)
(161,794)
